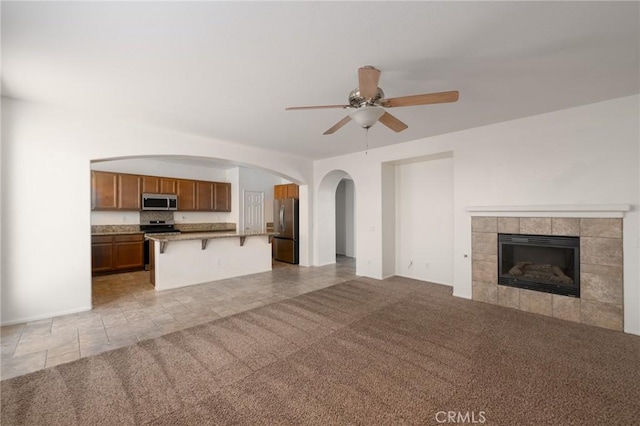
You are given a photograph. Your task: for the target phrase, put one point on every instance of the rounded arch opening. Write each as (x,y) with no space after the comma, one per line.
(326,214)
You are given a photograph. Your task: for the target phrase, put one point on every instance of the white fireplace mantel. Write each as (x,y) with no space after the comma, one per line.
(569,210)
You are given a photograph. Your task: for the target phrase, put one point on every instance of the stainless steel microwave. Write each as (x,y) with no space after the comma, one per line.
(159,202)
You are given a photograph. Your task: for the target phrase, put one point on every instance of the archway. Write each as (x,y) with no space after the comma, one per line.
(325,252)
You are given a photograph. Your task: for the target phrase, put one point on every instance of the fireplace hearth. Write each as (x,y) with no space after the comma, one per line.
(545,263)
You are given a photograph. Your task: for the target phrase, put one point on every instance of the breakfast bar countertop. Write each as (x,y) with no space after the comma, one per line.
(186,236)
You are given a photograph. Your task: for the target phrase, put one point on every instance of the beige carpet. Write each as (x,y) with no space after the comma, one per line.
(360,352)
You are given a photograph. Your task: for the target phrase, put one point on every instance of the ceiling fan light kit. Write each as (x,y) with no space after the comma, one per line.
(368,103)
(367,116)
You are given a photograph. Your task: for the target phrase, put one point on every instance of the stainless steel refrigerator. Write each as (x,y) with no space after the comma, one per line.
(285,244)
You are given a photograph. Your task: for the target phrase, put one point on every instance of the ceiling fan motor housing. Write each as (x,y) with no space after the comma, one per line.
(357,101)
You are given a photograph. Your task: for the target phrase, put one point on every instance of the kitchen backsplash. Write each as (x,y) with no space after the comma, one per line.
(146,216)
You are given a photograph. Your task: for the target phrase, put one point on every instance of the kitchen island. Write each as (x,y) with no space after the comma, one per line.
(199,257)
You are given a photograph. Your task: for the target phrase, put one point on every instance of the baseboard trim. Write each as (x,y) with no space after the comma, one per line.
(461,296)
(426,281)
(46,316)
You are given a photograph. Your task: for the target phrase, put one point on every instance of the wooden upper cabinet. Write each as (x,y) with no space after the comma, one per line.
(114,191)
(119,191)
(290,190)
(280,192)
(104,190)
(150,184)
(222,197)
(186,190)
(129,195)
(204,196)
(168,186)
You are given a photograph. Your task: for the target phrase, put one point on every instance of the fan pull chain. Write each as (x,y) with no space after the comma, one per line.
(366,141)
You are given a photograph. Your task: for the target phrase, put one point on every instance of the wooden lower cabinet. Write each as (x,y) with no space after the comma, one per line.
(101,254)
(129,252)
(117,253)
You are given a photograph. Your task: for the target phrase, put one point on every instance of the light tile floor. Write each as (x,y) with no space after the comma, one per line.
(127,309)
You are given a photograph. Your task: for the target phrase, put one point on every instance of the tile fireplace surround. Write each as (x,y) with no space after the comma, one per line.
(601,298)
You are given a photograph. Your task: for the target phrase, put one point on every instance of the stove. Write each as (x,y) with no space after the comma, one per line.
(156,228)
(159,227)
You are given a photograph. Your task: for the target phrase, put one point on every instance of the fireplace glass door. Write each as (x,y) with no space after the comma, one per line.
(544,263)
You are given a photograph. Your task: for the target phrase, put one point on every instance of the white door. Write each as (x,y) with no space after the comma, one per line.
(253,211)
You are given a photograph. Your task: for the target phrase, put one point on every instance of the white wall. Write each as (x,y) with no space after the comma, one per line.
(424,220)
(184,262)
(388,225)
(306,205)
(46,154)
(345,237)
(583,155)
(156,167)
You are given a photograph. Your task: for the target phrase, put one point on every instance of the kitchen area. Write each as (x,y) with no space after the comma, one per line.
(190,231)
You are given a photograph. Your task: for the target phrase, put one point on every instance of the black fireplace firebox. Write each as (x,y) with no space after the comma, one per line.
(546,263)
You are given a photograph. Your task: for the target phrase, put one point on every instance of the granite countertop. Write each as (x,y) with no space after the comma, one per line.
(208,231)
(206,235)
(116,233)
(131,229)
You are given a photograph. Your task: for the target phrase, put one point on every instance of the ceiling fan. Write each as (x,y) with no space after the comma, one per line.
(368,103)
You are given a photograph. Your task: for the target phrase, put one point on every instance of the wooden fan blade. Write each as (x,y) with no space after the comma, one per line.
(317,107)
(338,125)
(428,98)
(391,122)
(368,78)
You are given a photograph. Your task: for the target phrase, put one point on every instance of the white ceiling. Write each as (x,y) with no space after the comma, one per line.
(227,70)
